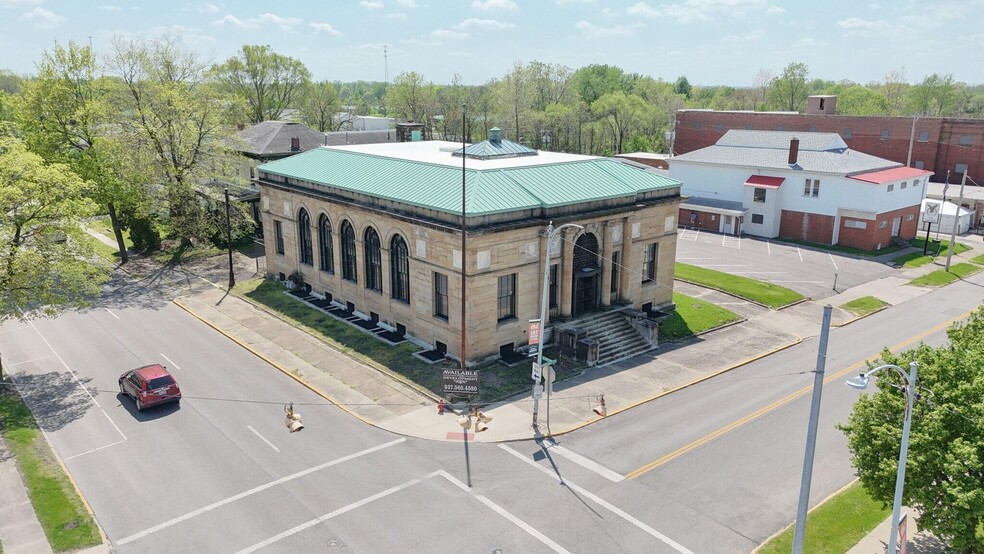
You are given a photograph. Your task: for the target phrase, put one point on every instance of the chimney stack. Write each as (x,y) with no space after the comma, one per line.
(495,135)
(794,146)
(295,144)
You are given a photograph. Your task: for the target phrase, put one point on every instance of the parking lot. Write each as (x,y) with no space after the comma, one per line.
(811,272)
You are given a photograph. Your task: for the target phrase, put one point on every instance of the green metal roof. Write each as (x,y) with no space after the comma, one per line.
(487,191)
(495,148)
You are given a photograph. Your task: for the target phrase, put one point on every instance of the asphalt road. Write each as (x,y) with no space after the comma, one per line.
(805,270)
(712,468)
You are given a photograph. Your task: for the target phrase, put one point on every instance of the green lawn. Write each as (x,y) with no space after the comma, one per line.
(768,294)
(62,514)
(497,380)
(917,259)
(836,525)
(693,316)
(942,277)
(864,305)
(103,225)
(839,248)
(978,259)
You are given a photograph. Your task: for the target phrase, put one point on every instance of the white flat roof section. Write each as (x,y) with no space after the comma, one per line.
(439,152)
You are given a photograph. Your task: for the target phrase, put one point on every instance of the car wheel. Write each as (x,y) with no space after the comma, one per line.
(140,406)
(121,388)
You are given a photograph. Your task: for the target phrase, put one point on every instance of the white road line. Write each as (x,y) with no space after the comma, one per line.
(74,376)
(832,260)
(264,439)
(586,463)
(330,515)
(615,510)
(800,253)
(768,246)
(21,328)
(31,360)
(111,313)
(729,265)
(170,362)
(805,282)
(93,450)
(255,490)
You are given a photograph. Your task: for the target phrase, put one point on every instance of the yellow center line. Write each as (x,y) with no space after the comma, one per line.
(779,403)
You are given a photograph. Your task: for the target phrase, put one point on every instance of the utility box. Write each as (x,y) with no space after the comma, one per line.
(587,350)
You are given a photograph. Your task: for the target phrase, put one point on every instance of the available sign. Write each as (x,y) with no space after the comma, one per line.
(533,331)
(459,382)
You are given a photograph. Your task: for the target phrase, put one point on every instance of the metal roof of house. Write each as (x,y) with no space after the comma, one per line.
(818,152)
(491,186)
(273,138)
(888,175)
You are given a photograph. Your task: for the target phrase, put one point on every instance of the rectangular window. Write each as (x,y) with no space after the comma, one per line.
(891,187)
(615,268)
(278,231)
(807,187)
(916,183)
(758,195)
(758,218)
(811,187)
(884,134)
(848,133)
(966,140)
(719,127)
(882,224)
(923,136)
(440,295)
(910,217)
(904,184)
(697,126)
(816,188)
(649,267)
(855,224)
(920,164)
(553,286)
(960,168)
(507,296)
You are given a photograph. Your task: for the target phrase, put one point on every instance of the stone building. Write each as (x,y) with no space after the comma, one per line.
(377,229)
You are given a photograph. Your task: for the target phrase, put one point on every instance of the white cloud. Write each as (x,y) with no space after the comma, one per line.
(203,8)
(109,8)
(775,10)
(445,33)
(855,26)
(371,46)
(236,22)
(562,2)
(418,42)
(396,15)
(483,24)
(282,22)
(371,5)
(747,37)
(43,18)
(642,9)
(20,2)
(810,42)
(685,14)
(590,30)
(407,3)
(494,4)
(690,11)
(285,23)
(325,28)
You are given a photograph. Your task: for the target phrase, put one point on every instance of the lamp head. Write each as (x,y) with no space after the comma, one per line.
(860,382)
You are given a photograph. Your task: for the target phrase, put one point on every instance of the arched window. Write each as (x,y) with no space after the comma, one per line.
(399,269)
(349,271)
(374,262)
(326,258)
(304,237)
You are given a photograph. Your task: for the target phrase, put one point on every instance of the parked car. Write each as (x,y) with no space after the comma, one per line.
(150,385)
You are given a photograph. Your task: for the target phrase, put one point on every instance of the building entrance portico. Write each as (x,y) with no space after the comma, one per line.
(586,275)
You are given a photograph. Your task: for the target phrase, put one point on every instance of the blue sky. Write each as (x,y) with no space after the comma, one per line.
(709,41)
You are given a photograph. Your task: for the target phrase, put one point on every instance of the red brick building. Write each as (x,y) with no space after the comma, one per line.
(938,143)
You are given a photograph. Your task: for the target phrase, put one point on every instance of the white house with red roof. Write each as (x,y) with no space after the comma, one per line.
(801,186)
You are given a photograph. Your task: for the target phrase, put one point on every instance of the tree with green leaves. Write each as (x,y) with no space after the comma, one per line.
(682,86)
(944,477)
(788,90)
(46,262)
(270,82)
(319,104)
(185,119)
(410,98)
(934,96)
(622,114)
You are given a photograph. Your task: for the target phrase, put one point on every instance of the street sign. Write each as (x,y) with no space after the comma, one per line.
(459,382)
(932,213)
(537,392)
(537,372)
(533,331)
(903,544)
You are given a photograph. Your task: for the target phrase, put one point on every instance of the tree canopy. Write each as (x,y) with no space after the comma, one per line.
(270,82)
(945,469)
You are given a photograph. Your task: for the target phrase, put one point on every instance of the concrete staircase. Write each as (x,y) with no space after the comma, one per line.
(616,337)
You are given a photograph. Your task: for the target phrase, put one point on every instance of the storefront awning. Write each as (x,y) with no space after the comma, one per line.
(764,181)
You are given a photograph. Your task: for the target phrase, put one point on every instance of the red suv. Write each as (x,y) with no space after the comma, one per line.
(149,386)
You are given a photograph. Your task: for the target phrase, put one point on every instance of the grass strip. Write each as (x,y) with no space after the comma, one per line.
(768,294)
(935,249)
(979,260)
(864,305)
(834,526)
(497,381)
(693,316)
(840,248)
(942,277)
(61,512)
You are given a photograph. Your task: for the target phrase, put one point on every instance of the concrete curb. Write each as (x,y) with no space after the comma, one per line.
(810,511)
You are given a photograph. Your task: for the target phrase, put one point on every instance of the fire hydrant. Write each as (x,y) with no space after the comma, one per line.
(440,407)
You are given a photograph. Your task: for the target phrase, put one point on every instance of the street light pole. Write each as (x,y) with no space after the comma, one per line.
(551,231)
(861,382)
(232,276)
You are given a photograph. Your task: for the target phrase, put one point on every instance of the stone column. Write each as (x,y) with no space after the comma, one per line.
(567,271)
(629,269)
(606,263)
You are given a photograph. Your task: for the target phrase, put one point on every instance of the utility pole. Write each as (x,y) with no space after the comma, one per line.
(912,138)
(464,358)
(956,221)
(811,435)
(232,275)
